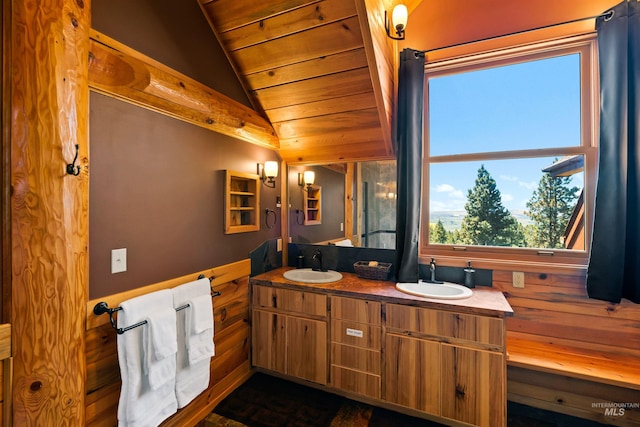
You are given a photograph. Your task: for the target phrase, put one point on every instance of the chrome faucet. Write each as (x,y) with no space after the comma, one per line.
(317,256)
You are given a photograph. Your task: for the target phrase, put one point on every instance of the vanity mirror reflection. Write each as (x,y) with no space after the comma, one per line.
(355,201)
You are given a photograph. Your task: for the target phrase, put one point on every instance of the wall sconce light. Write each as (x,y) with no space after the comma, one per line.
(308,178)
(399,17)
(268,171)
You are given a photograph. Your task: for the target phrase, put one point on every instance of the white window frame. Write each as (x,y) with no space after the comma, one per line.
(526,258)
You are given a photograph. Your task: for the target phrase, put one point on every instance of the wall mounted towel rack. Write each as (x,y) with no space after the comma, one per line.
(102,308)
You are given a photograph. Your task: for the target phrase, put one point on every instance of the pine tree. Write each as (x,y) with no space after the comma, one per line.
(438,233)
(488,222)
(550,208)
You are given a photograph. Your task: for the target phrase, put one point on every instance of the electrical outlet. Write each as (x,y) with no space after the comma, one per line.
(518,279)
(279,245)
(342,226)
(118,260)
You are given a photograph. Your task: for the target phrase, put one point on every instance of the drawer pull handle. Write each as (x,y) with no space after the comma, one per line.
(354,333)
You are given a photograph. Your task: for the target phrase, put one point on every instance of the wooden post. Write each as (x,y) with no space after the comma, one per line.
(348,202)
(49,106)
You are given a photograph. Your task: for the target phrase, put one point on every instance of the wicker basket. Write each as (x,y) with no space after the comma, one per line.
(366,271)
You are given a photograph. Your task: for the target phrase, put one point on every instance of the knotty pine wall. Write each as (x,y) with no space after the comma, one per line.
(554,307)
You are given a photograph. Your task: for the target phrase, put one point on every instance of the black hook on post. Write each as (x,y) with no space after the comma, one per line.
(72,169)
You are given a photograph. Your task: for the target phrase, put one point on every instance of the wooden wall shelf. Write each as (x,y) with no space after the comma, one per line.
(313,205)
(242,202)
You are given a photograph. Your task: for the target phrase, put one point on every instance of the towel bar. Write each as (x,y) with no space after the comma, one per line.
(102,308)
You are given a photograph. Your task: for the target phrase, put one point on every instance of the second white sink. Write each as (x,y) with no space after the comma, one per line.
(444,290)
(307,275)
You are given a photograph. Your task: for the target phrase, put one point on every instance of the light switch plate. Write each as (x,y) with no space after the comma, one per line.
(279,245)
(118,260)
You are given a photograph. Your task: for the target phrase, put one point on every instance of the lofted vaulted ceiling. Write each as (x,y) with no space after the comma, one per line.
(322,71)
(315,71)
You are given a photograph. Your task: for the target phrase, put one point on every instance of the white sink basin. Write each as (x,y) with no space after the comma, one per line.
(445,290)
(308,275)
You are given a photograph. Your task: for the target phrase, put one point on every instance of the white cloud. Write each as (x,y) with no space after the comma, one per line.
(528,185)
(457,194)
(507,197)
(444,188)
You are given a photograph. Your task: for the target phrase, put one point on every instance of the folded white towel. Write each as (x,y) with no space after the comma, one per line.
(199,329)
(192,376)
(141,405)
(161,343)
(345,242)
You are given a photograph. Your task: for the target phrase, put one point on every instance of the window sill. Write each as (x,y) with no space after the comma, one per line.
(504,262)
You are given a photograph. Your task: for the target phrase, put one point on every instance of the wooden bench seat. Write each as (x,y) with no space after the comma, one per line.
(607,368)
(576,381)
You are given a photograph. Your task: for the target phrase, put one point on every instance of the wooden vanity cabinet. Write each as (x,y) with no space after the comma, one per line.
(446,364)
(289,332)
(356,338)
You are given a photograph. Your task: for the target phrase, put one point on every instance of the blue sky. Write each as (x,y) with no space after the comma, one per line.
(522,106)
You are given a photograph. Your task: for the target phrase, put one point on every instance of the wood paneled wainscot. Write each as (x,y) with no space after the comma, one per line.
(447,364)
(289,330)
(230,366)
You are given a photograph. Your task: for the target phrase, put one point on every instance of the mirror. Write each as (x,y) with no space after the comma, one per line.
(317,211)
(357,201)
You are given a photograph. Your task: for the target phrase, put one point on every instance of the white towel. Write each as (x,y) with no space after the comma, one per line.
(345,242)
(141,405)
(192,376)
(161,342)
(199,329)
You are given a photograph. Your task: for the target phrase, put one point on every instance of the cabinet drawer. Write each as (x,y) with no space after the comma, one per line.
(358,310)
(357,334)
(469,327)
(306,303)
(355,381)
(357,358)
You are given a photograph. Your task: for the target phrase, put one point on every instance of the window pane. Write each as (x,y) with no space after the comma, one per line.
(533,203)
(534,104)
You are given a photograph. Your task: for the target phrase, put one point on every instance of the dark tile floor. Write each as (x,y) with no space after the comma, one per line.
(266,401)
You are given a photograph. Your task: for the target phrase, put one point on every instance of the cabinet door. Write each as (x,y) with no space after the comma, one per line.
(307,349)
(269,340)
(473,386)
(413,373)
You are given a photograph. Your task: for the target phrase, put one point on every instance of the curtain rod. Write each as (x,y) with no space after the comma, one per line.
(607,15)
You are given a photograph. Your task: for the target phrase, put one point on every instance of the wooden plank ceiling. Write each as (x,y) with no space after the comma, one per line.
(326,88)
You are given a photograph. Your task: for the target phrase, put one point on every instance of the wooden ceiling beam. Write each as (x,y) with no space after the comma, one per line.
(118,71)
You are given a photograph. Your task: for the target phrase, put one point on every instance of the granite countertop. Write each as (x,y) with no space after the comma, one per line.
(485,300)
